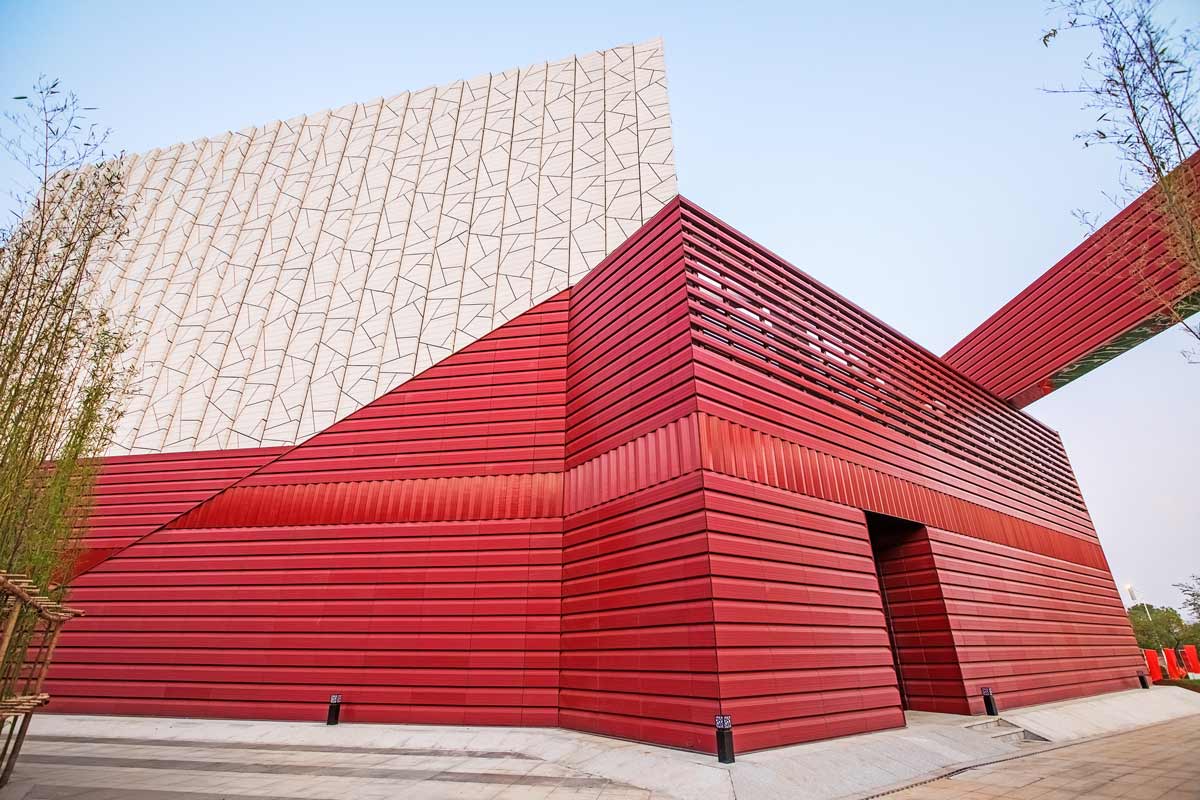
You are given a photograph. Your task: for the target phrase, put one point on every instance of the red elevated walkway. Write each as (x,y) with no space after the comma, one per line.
(1108,295)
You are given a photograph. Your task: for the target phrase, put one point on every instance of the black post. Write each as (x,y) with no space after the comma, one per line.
(1143,680)
(724,738)
(989,703)
(335,709)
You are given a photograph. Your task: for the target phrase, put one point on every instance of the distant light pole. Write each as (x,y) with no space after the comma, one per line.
(1133,597)
(1150,619)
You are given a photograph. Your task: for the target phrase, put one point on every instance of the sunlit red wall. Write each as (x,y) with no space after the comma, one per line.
(136,495)
(640,504)
(407,557)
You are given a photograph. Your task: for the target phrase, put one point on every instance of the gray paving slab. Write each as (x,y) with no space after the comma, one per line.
(300,748)
(312,770)
(101,757)
(1150,763)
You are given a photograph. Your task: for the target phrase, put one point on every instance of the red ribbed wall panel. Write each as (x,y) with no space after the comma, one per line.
(134,495)
(780,353)
(409,557)
(639,653)
(746,453)
(1033,629)
(645,502)
(630,356)
(1030,628)
(1103,298)
(802,641)
(923,638)
(800,389)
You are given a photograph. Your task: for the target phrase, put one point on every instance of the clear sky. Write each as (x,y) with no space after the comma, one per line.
(902,153)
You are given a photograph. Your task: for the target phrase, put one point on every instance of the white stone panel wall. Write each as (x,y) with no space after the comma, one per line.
(478,293)
(514,279)
(656,154)
(588,218)
(276,279)
(622,174)
(552,229)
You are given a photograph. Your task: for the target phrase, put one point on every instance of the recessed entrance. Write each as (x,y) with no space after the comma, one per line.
(914,603)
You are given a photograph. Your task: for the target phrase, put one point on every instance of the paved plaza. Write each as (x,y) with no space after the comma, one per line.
(1113,746)
(60,767)
(1161,762)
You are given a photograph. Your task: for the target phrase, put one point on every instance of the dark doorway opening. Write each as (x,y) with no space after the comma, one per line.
(892,545)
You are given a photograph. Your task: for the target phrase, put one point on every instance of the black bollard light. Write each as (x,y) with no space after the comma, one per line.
(724,738)
(1143,680)
(989,703)
(335,709)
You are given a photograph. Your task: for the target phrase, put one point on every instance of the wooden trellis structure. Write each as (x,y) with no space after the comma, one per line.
(31,626)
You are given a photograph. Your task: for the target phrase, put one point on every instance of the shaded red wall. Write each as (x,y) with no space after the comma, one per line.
(926,656)
(1034,629)
(800,390)
(638,505)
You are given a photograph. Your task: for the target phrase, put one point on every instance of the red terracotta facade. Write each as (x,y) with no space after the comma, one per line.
(697,483)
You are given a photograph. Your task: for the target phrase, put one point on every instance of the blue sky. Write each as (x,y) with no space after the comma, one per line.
(901,153)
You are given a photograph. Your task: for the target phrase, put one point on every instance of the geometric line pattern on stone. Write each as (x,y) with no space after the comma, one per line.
(276,279)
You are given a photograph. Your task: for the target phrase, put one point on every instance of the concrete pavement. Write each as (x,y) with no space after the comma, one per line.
(112,768)
(1155,763)
(148,758)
